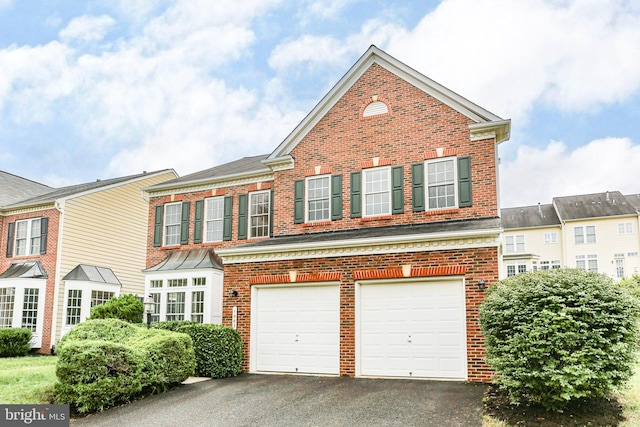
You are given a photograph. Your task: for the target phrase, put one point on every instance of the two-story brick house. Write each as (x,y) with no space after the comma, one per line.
(68,249)
(360,246)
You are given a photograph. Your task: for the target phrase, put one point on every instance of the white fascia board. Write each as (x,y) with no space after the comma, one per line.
(500,130)
(371,56)
(414,240)
(212,182)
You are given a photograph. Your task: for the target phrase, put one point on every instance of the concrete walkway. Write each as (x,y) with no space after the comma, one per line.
(288,400)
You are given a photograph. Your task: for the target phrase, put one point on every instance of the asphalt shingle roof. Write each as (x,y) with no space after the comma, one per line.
(529,216)
(13,189)
(597,205)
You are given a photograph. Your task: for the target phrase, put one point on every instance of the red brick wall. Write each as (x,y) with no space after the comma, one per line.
(478,264)
(48,261)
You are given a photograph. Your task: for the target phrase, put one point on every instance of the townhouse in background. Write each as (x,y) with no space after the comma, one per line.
(68,249)
(361,246)
(596,232)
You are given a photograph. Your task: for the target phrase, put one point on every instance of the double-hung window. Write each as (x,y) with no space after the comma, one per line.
(28,234)
(377,191)
(214,217)
(74,306)
(259,202)
(172,221)
(7,300)
(551,237)
(579,234)
(318,198)
(441,183)
(175,306)
(625,228)
(514,243)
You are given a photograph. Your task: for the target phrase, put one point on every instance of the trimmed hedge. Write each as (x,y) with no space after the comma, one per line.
(105,362)
(14,342)
(125,307)
(559,335)
(218,349)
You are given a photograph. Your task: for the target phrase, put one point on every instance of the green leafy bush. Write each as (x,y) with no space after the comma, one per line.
(95,375)
(632,285)
(14,342)
(104,362)
(218,349)
(559,335)
(125,307)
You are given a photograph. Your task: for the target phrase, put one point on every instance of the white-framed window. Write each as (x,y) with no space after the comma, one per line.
(544,265)
(199,281)
(214,218)
(441,183)
(581,262)
(7,300)
(175,306)
(100,297)
(259,204)
(580,232)
(555,264)
(318,197)
(522,267)
(625,228)
(619,268)
(74,306)
(551,237)
(172,219)
(534,266)
(376,189)
(592,263)
(197,306)
(30,309)
(518,267)
(511,269)
(155,314)
(156,283)
(176,283)
(27,240)
(514,243)
(632,254)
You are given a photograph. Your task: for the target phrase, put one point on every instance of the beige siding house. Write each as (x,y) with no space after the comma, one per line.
(596,232)
(72,248)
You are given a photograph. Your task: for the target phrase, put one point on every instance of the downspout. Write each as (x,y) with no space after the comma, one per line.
(56,296)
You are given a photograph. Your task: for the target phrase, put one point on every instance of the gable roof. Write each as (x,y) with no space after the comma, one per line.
(14,188)
(92,273)
(485,120)
(244,166)
(597,205)
(74,190)
(529,216)
(634,199)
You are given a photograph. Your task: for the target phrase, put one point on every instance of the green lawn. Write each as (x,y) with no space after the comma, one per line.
(27,379)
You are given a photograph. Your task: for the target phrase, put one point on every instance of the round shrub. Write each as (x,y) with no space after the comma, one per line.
(94,375)
(125,307)
(559,335)
(114,330)
(14,342)
(218,349)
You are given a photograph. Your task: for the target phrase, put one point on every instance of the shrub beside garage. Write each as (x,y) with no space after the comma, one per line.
(105,362)
(559,335)
(14,342)
(218,349)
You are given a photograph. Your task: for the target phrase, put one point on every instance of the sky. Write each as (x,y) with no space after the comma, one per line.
(100,89)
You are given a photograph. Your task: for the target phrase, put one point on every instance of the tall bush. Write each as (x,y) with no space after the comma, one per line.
(559,335)
(14,342)
(218,349)
(125,307)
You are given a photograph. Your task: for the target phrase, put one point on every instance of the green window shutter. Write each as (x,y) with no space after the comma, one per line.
(397,189)
(157,226)
(356,194)
(11,228)
(336,197)
(243,209)
(198,222)
(44,225)
(184,226)
(298,202)
(464,182)
(226,222)
(271,204)
(417,187)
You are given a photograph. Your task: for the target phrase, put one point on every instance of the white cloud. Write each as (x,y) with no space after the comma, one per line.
(87,28)
(539,174)
(327,8)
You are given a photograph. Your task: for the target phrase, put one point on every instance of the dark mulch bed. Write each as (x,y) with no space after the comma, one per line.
(588,412)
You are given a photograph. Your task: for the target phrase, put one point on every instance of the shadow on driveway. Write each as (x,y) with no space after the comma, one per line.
(293,400)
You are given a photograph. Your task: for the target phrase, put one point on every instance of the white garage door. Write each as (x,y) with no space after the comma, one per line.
(412,329)
(297,329)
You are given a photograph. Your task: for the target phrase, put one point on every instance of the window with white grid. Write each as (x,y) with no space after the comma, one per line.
(318,198)
(28,237)
(259,203)
(199,281)
(625,228)
(175,306)
(175,283)
(30,309)
(172,219)
(74,306)
(7,299)
(155,284)
(197,306)
(155,315)
(441,183)
(214,216)
(377,191)
(100,297)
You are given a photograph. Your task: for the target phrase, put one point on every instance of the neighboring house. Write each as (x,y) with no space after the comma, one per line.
(66,250)
(596,232)
(361,246)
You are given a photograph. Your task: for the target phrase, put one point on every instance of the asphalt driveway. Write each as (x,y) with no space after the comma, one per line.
(288,400)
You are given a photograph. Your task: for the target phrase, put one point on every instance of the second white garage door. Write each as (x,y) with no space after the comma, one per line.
(296,329)
(412,329)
